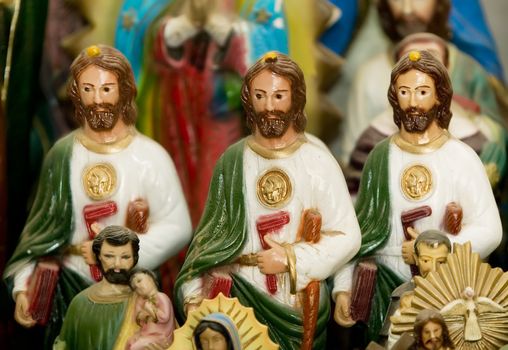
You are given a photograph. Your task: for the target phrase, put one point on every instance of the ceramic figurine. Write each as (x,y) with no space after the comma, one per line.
(247,242)
(222,323)
(191,97)
(475,309)
(216,331)
(421,178)
(431,332)
(364,100)
(101,316)
(104,173)
(431,250)
(468,124)
(153,312)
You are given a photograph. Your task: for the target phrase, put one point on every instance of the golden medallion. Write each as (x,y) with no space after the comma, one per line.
(99,181)
(416,182)
(274,188)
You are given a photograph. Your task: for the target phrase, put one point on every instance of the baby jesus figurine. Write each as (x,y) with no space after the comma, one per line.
(153,312)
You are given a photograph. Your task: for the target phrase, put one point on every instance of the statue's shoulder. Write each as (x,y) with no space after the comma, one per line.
(235,151)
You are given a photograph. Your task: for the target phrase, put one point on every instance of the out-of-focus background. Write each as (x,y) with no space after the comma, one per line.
(39,39)
(495,12)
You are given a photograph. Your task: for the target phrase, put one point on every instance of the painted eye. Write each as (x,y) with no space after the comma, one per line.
(259,96)
(403,92)
(279,96)
(423,93)
(87,89)
(107,89)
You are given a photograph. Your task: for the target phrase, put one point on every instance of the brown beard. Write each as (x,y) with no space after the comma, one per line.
(271,127)
(410,24)
(121,277)
(416,120)
(435,344)
(102,120)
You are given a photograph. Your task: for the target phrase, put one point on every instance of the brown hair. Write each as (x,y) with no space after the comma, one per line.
(428,64)
(116,236)
(438,24)
(110,59)
(422,38)
(284,66)
(426,316)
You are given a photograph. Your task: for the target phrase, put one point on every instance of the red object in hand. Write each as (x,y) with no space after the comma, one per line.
(266,224)
(91,213)
(453,218)
(137,216)
(41,290)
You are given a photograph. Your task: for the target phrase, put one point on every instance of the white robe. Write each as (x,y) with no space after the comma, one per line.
(457,176)
(143,170)
(317,183)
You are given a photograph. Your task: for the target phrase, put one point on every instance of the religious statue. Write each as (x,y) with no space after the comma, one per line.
(363,100)
(102,174)
(431,332)
(222,323)
(418,179)
(101,316)
(191,91)
(216,331)
(484,135)
(431,250)
(153,312)
(247,243)
(475,309)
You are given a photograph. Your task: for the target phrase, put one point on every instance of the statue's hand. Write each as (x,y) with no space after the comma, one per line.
(137,215)
(87,252)
(273,260)
(342,313)
(152,312)
(21,314)
(408,250)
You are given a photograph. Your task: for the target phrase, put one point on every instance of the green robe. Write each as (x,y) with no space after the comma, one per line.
(373,210)
(90,325)
(48,229)
(219,239)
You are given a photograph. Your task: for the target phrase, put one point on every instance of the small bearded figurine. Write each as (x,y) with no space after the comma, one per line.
(419,179)
(105,173)
(248,241)
(100,314)
(431,332)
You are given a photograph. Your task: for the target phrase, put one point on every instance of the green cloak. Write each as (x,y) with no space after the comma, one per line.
(373,210)
(48,229)
(90,325)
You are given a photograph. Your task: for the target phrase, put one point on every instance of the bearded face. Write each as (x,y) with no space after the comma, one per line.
(273,124)
(272,104)
(432,336)
(101,117)
(417,120)
(412,16)
(410,24)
